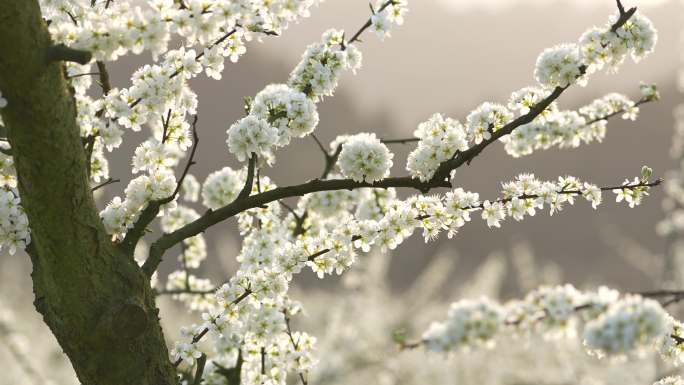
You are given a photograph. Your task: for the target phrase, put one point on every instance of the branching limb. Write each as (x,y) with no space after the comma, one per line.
(440,179)
(480,205)
(467,156)
(253,201)
(150,212)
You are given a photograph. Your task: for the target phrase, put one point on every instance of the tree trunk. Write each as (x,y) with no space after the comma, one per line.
(92,295)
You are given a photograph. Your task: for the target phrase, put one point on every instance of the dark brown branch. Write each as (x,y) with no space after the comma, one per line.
(213,217)
(330,158)
(165,125)
(60,52)
(82,74)
(200,369)
(670,297)
(624,16)
(641,101)
(638,103)
(330,161)
(249,182)
(400,141)
(263,360)
(479,206)
(104,77)
(467,156)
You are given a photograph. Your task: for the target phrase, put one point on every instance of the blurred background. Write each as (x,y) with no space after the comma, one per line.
(449,56)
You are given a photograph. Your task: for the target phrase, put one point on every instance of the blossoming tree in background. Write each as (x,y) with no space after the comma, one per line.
(100,302)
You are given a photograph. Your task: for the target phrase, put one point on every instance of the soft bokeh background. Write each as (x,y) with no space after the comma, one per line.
(449,56)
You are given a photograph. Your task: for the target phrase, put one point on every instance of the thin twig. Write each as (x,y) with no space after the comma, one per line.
(105,183)
(196,338)
(295,344)
(367,24)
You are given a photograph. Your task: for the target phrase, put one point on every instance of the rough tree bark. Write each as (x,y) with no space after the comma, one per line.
(92,295)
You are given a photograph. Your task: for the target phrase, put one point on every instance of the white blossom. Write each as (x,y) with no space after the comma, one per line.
(365,158)
(222,187)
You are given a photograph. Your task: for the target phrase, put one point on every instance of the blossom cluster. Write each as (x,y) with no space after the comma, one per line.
(597,48)
(568,128)
(607,323)
(558,67)
(470,323)
(112,29)
(14,227)
(439,139)
(672,380)
(159,96)
(280,112)
(156,160)
(222,187)
(365,158)
(321,65)
(388,13)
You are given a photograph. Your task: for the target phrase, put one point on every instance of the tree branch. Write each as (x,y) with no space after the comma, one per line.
(200,369)
(213,217)
(400,141)
(150,212)
(104,77)
(249,182)
(440,179)
(467,156)
(105,183)
(60,52)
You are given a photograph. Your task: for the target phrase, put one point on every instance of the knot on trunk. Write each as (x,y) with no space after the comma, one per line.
(124,322)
